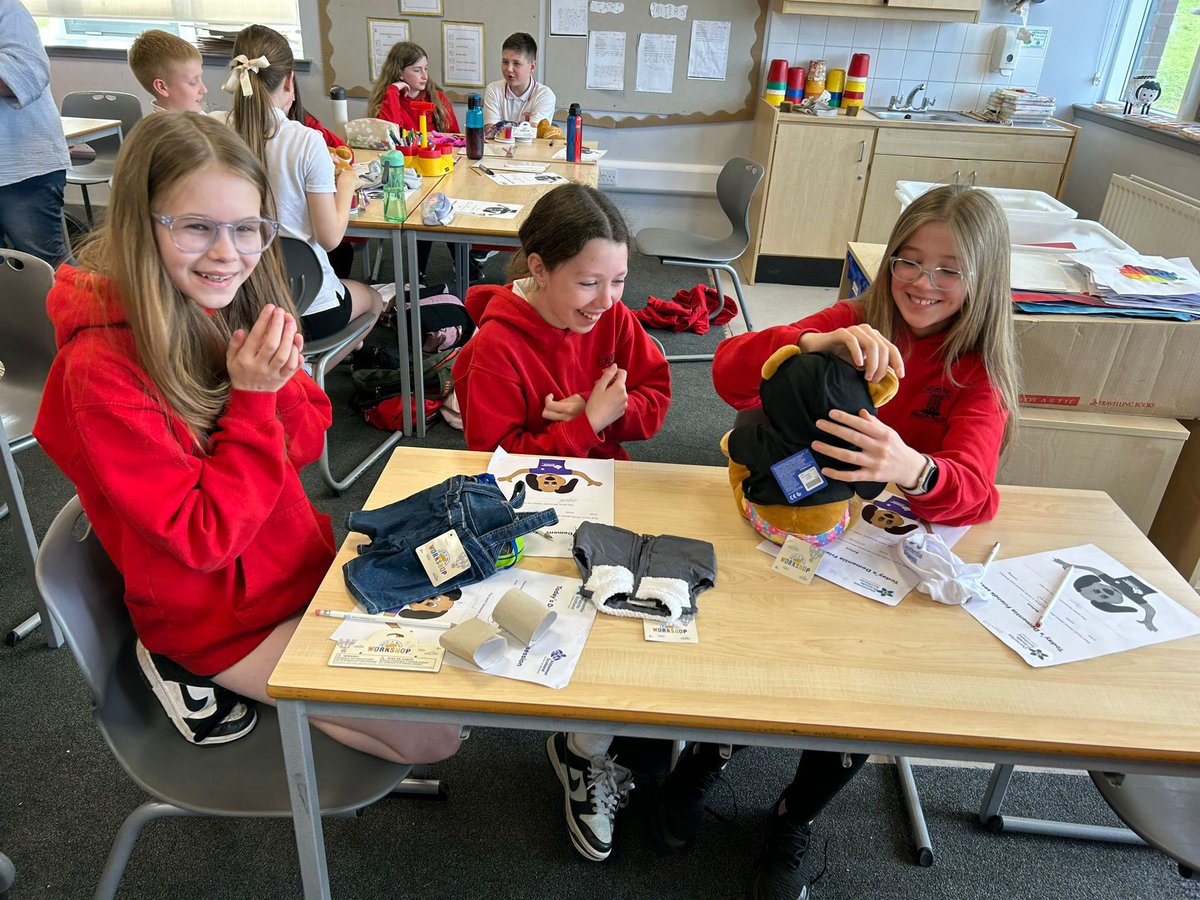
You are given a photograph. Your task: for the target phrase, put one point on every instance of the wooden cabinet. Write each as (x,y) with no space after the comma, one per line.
(930,10)
(948,156)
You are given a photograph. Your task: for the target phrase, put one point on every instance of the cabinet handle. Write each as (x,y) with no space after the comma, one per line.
(973,174)
(862,151)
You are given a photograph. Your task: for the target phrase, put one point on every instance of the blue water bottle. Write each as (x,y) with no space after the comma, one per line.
(474,127)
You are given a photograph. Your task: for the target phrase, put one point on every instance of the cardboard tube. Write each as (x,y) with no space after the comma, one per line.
(475,641)
(522,616)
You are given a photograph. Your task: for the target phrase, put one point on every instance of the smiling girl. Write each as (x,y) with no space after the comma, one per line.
(178,407)
(403,78)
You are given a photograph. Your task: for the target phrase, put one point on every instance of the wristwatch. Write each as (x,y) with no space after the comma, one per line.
(927,479)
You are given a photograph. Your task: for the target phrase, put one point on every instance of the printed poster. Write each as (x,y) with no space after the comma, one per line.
(606,61)
(656,63)
(569,17)
(709,53)
(384,33)
(1104,608)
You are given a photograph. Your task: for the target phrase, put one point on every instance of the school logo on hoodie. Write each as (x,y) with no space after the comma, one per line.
(931,411)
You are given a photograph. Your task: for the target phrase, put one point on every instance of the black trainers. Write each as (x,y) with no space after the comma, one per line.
(680,807)
(592,791)
(783,873)
(204,712)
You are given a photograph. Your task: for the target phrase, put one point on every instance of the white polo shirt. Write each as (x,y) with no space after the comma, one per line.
(501,104)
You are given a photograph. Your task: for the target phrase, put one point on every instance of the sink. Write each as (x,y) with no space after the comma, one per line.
(928,115)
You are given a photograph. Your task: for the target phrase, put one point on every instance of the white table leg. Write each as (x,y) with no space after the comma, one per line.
(306,805)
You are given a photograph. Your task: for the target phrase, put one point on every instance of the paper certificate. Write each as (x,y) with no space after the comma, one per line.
(569,17)
(462,54)
(1105,608)
(656,63)
(421,7)
(606,61)
(579,490)
(709,52)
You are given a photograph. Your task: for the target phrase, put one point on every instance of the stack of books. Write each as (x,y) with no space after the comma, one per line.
(1135,283)
(1017,106)
(216,41)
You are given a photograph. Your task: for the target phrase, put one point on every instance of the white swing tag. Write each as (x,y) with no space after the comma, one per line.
(443,557)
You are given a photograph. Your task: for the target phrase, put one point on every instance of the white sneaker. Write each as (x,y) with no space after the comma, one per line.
(203,712)
(593,789)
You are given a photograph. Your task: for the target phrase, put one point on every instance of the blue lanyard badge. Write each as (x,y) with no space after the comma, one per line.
(798,476)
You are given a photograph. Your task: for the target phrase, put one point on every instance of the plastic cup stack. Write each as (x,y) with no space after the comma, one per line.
(835,83)
(815,84)
(856,81)
(795,84)
(776,82)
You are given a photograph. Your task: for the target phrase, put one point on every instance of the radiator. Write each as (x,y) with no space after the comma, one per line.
(1151,218)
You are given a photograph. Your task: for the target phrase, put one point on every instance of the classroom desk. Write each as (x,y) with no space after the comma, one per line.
(467,183)
(81,129)
(782,664)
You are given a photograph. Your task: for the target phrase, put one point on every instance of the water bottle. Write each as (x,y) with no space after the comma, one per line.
(474,127)
(340,116)
(572,125)
(395,206)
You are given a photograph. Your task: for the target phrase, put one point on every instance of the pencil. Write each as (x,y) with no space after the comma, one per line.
(1054,597)
(380,619)
(991,556)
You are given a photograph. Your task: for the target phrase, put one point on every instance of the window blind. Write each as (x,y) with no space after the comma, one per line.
(232,12)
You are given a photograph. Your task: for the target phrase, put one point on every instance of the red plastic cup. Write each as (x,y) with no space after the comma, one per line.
(860,64)
(778,72)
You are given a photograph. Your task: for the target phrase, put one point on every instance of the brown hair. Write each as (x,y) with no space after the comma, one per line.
(984,325)
(523,43)
(400,57)
(180,345)
(154,52)
(253,117)
(561,224)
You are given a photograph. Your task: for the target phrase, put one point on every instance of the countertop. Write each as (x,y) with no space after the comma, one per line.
(1054,127)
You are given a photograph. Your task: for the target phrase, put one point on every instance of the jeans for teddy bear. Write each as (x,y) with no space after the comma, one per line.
(643,576)
(387,574)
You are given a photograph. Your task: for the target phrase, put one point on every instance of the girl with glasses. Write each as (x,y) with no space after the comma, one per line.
(939,313)
(178,407)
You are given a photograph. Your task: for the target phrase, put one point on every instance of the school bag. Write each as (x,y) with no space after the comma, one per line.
(377,392)
(444,320)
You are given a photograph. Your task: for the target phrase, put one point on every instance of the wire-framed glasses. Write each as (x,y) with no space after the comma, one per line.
(940,279)
(196,234)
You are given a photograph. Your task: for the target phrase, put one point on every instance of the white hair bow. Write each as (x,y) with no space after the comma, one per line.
(242,68)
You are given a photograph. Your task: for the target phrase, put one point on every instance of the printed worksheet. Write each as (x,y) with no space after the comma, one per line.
(569,17)
(606,61)
(579,490)
(586,154)
(1104,607)
(862,559)
(485,209)
(525,178)
(709,50)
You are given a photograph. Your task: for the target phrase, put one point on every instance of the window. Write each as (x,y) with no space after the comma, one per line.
(1160,37)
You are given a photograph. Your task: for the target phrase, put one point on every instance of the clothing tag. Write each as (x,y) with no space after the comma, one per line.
(443,557)
(798,560)
(682,631)
(798,476)
(389,649)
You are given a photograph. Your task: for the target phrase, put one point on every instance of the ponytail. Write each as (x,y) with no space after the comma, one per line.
(263,61)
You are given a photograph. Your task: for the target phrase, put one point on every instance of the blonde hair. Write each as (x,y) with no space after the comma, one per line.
(984,325)
(153,53)
(253,117)
(179,344)
(400,57)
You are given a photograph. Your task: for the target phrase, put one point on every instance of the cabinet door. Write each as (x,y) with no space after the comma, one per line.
(881,207)
(818,176)
(928,10)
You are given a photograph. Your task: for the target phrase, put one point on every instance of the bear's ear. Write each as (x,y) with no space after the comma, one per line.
(776,359)
(885,389)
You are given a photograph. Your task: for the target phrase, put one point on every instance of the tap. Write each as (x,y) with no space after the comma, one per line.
(912,96)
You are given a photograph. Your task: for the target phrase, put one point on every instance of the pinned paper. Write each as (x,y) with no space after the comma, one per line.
(669,11)
(604,6)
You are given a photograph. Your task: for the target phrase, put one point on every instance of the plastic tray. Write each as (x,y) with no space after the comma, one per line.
(1015,202)
(1083,233)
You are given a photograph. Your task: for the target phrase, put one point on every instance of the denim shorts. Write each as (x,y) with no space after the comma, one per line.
(387,575)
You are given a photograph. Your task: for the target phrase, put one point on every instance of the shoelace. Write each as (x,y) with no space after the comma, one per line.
(608,784)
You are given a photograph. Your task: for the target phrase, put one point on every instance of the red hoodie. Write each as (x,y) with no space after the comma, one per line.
(959,422)
(216,546)
(503,374)
(395,108)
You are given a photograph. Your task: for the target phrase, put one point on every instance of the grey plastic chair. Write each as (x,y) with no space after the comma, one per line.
(1163,811)
(304,277)
(736,184)
(243,778)
(100,105)
(26,352)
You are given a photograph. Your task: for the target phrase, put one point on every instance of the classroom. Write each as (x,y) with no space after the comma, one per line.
(963,240)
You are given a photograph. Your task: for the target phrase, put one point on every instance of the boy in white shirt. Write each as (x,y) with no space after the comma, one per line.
(518,96)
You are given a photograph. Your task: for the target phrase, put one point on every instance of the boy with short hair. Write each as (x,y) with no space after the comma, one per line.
(518,96)
(170,69)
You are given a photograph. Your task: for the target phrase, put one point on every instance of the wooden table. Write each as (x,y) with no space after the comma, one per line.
(467,183)
(781,664)
(81,129)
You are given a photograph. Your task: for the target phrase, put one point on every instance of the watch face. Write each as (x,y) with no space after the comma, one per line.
(929,477)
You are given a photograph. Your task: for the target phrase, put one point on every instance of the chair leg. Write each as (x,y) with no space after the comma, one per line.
(916,814)
(337,485)
(741,298)
(87,206)
(378,262)
(127,836)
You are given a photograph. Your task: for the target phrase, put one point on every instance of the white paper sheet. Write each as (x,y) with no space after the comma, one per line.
(588,155)
(525,178)
(422,7)
(463,64)
(1105,608)
(1037,270)
(569,17)
(563,484)
(709,52)
(656,63)
(606,61)
(485,210)
(384,33)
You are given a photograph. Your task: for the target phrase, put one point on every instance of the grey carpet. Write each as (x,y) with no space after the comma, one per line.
(501,832)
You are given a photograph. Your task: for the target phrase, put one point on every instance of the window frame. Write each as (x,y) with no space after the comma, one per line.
(1127,43)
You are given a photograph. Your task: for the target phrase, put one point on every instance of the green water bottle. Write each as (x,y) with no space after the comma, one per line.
(395,209)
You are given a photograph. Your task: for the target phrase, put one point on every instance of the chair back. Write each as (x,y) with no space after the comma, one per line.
(736,184)
(85,593)
(104,105)
(303,271)
(26,340)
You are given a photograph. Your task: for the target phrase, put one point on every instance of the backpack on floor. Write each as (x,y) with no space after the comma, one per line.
(444,322)
(377,392)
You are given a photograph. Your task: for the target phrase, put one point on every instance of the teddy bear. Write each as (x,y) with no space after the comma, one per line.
(798,389)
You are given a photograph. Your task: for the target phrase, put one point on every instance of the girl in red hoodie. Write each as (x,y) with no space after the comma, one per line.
(940,314)
(560,367)
(403,78)
(178,407)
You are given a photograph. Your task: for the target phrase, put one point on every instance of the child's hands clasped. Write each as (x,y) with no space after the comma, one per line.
(563,410)
(608,399)
(861,346)
(267,357)
(881,455)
